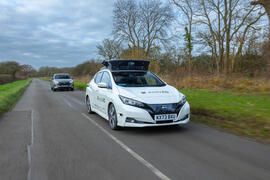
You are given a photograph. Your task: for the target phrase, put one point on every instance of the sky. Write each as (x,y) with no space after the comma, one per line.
(60,33)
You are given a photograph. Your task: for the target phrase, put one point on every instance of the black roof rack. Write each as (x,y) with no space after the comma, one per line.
(119,65)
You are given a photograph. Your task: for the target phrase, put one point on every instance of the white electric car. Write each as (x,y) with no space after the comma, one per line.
(126,94)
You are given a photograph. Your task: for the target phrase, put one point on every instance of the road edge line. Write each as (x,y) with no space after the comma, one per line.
(29,146)
(156,171)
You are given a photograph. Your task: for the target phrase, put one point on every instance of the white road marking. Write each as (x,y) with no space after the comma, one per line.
(29,162)
(32,127)
(30,145)
(157,172)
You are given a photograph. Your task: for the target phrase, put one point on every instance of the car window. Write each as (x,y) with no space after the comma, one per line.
(137,79)
(62,76)
(106,79)
(98,77)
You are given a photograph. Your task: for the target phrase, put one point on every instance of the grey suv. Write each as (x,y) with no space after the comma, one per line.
(62,81)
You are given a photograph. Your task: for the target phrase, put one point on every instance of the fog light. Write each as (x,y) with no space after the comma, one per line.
(130,120)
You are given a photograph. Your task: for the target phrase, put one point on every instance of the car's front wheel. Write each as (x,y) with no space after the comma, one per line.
(88,104)
(113,117)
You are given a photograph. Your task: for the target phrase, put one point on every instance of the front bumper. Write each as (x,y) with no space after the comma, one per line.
(129,116)
(64,86)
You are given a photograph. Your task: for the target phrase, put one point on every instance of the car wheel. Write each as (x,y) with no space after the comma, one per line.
(113,117)
(72,89)
(88,104)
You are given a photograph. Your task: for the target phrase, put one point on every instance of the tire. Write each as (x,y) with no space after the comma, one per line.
(72,89)
(112,117)
(88,105)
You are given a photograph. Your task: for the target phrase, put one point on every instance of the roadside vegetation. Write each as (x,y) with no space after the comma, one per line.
(10,93)
(79,85)
(240,113)
(11,71)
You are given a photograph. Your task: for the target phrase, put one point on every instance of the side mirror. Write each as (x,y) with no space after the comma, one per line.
(102,85)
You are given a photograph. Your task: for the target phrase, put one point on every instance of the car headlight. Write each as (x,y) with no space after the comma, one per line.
(183,100)
(131,102)
(71,81)
(56,82)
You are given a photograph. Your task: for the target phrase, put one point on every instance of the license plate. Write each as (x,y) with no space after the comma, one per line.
(165,117)
(64,85)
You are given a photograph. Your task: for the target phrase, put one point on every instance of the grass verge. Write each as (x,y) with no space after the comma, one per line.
(10,93)
(242,114)
(79,85)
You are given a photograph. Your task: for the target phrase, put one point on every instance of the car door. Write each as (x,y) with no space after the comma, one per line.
(105,94)
(95,90)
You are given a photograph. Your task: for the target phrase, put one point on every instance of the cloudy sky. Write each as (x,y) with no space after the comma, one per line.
(53,32)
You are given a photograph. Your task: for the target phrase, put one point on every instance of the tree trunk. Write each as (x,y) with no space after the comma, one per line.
(266,5)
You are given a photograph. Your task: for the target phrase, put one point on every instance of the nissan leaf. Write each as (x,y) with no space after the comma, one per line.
(127,94)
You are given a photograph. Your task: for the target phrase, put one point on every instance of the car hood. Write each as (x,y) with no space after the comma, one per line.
(152,95)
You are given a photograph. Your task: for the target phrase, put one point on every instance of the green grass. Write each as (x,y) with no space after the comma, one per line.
(243,114)
(79,85)
(10,93)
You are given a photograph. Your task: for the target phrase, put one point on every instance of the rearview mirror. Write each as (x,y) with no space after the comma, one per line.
(102,85)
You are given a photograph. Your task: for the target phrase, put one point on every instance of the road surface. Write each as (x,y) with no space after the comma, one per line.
(49,136)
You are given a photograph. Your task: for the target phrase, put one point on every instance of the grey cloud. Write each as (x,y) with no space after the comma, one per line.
(53,33)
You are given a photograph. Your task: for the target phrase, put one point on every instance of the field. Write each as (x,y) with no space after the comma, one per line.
(10,93)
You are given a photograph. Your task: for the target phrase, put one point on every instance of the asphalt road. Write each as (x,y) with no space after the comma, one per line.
(49,136)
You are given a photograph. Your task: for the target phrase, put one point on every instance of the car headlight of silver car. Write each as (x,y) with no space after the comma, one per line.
(131,102)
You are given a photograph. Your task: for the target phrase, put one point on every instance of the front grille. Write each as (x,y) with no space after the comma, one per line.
(155,109)
(63,83)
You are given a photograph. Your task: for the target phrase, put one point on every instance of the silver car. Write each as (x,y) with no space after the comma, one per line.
(62,81)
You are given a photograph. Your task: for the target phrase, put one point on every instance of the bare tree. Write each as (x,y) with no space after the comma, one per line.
(227,22)
(109,49)
(141,24)
(188,8)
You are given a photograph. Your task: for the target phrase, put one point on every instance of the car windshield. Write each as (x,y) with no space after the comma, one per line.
(137,79)
(61,77)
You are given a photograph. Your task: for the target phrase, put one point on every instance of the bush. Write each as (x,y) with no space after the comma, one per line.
(6,78)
